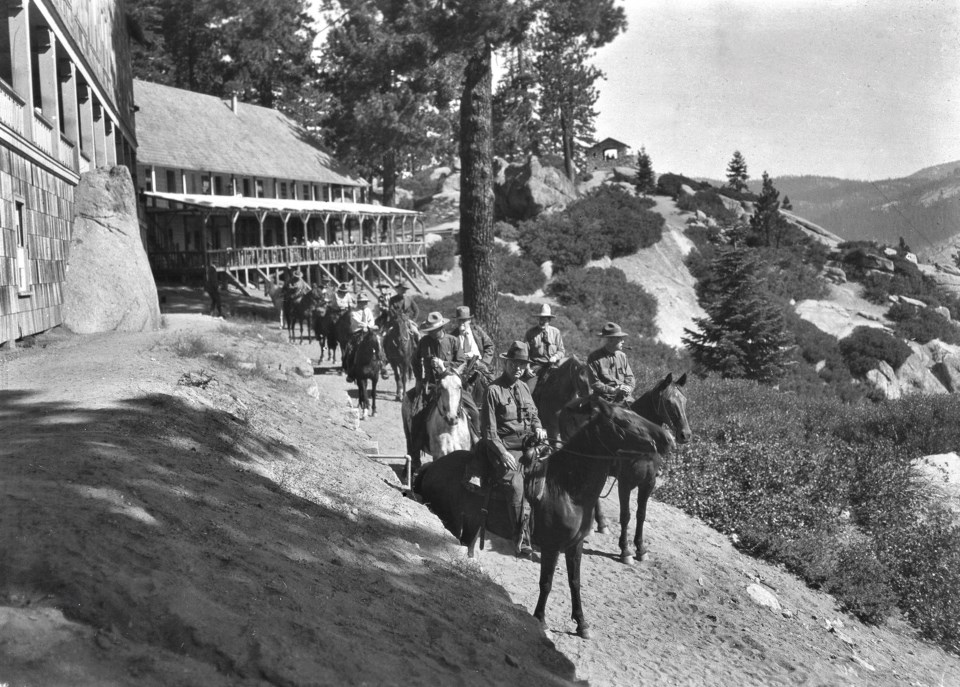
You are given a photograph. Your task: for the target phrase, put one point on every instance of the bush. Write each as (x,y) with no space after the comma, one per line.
(608,221)
(669,184)
(441,256)
(505,231)
(516,274)
(867,346)
(922,324)
(709,203)
(601,295)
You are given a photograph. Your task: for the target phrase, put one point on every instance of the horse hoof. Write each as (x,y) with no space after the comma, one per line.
(584,632)
(601,529)
(626,559)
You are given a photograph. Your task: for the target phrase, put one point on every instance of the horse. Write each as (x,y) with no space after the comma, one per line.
(368,360)
(301,309)
(274,292)
(562,384)
(562,490)
(325,327)
(400,347)
(447,421)
(664,405)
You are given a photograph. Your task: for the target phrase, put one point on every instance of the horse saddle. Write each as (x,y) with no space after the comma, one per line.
(534,465)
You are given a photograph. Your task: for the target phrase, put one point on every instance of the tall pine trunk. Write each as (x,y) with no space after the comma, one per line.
(389,178)
(567,140)
(476,192)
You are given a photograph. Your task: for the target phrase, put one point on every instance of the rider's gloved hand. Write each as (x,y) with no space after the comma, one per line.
(541,434)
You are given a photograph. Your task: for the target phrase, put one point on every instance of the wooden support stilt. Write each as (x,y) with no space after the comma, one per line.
(386,277)
(407,275)
(421,271)
(356,273)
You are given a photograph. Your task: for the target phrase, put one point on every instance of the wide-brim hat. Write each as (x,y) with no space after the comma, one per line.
(363,297)
(342,288)
(433,322)
(545,311)
(519,351)
(463,313)
(402,285)
(383,285)
(611,330)
(297,273)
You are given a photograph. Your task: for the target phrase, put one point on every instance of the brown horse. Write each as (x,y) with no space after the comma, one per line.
(301,310)
(368,361)
(325,328)
(566,381)
(665,405)
(562,489)
(400,347)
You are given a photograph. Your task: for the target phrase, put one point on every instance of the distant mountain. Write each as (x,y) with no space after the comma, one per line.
(923,208)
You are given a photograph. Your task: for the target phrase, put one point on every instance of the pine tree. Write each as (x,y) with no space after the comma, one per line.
(766,225)
(737,172)
(645,179)
(743,334)
(786,204)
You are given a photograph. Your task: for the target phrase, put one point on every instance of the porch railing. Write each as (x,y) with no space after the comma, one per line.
(11,108)
(42,134)
(67,153)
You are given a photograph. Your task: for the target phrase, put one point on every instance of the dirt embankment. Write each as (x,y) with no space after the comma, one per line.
(227,530)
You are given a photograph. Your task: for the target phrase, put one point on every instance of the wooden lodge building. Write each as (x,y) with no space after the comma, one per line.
(243,186)
(66,105)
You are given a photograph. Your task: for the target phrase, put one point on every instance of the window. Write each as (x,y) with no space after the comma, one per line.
(259,188)
(283,189)
(205,185)
(218,186)
(306,192)
(171,181)
(23,271)
(246,187)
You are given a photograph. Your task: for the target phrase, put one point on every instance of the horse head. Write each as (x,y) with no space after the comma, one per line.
(666,404)
(622,432)
(450,394)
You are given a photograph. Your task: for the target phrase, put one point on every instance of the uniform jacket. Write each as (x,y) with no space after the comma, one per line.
(483,341)
(607,371)
(544,343)
(508,414)
(447,348)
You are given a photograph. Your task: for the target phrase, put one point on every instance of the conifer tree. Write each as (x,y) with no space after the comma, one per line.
(743,334)
(737,172)
(786,204)
(644,180)
(766,225)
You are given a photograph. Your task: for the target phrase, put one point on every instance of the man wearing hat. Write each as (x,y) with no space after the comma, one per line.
(474,342)
(608,370)
(383,302)
(343,298)
(403,301)
(508,418)
(361,321)
(546,346)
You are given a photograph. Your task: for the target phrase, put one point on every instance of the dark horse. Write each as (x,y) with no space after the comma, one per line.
(367,364)
(563,490)
(325,327)
(665,405)
(400,347)
(563,383)
(301,309)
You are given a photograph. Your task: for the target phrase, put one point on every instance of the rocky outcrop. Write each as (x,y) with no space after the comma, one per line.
(945,276)
(523,191)
(109,285)
(932,368)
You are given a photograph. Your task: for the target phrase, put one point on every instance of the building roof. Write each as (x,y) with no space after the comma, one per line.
(610,143)
(247,204)
(186,130)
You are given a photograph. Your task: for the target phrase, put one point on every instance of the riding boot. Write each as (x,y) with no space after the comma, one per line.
(522,540)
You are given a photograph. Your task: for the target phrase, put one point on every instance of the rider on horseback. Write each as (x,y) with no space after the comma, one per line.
(361,321)
(546,346)
(403,302)
(476,345)
(509,419)
(608,368)
(435,352)
(343,298)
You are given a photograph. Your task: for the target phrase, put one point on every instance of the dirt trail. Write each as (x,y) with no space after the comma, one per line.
(228,531)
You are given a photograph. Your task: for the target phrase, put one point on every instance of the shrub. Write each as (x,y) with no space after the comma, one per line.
(867,346)
(505,231)
(608,221)
(441,256)
(709,203)
(922,324)
(601,295)
(669,184)
(516,274)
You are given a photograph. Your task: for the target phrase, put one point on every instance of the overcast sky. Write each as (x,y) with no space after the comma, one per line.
(849,88)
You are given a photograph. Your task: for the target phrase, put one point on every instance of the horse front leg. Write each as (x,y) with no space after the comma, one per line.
(401,379)
(643,496)
(362,397)
(600,519)
(623,491)
(373,395)
(573,556)
(548,565)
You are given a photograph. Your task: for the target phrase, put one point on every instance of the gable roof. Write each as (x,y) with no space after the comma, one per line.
(186,130)
(609,143)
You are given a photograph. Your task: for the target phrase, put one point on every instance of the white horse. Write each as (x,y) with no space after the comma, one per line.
(274,292)
(448,425)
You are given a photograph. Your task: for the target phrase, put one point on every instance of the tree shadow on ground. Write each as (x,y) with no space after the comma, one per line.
(159,521)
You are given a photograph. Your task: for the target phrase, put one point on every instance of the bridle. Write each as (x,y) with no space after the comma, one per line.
(440,404)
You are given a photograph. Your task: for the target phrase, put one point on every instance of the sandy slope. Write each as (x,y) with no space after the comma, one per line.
(157,534)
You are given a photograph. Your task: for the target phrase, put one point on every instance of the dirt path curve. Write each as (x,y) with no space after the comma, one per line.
(685,617)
